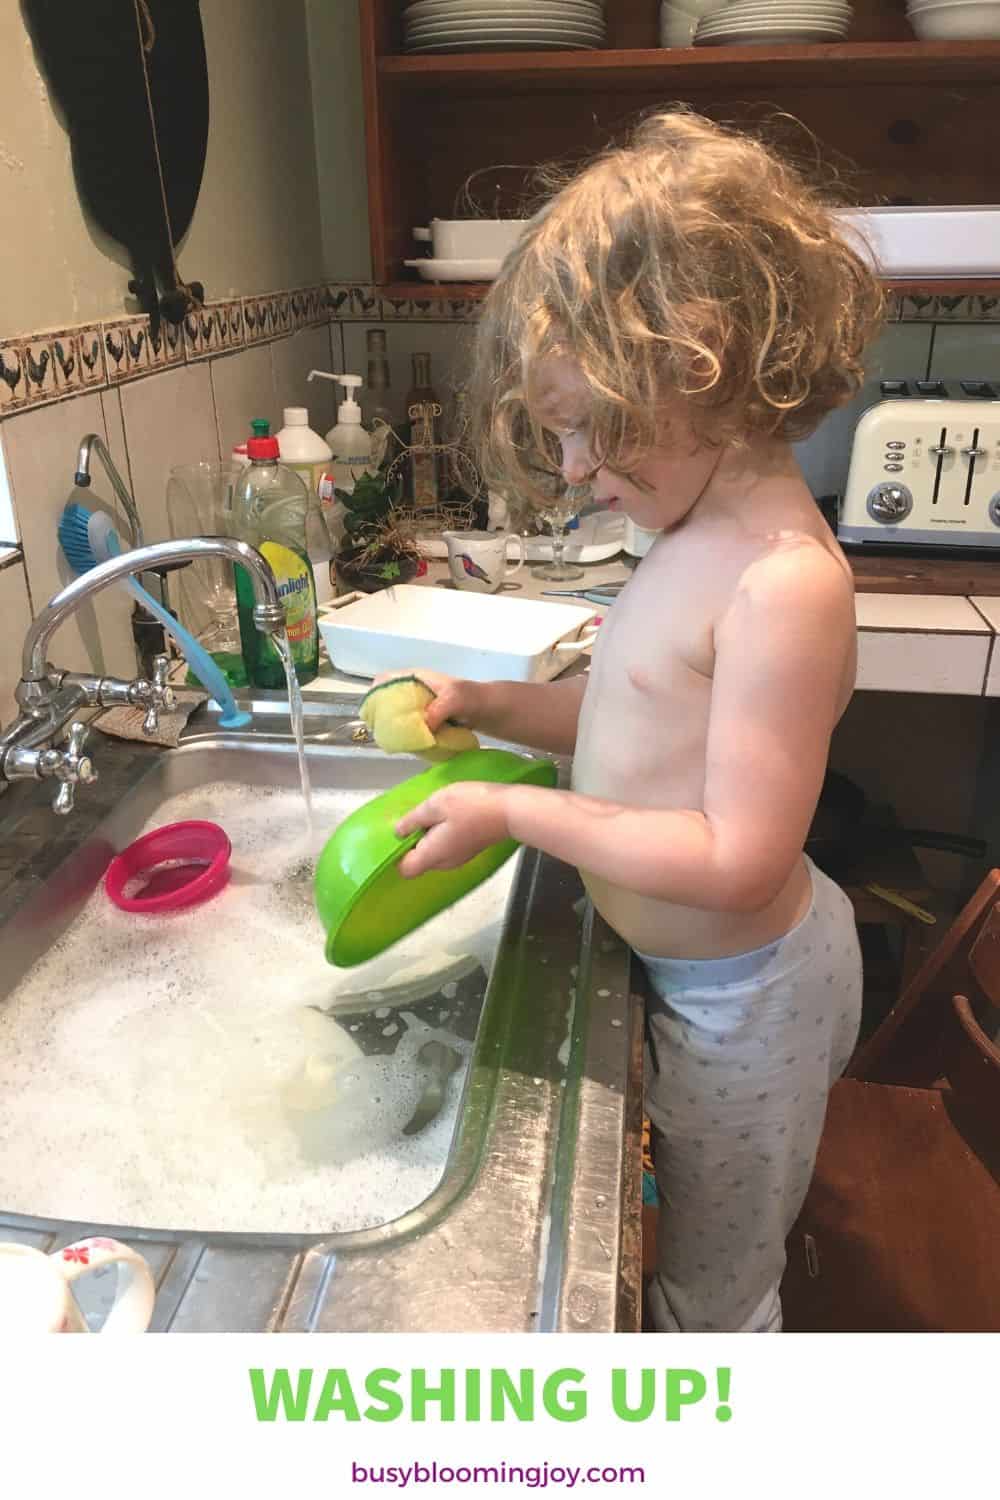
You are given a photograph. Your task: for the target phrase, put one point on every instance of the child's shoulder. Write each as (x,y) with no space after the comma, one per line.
(793,573)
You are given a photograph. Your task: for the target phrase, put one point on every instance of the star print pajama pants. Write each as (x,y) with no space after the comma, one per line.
(741,1055)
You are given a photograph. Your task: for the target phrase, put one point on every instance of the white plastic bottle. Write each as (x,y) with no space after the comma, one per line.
(349,442)
(307,455)
(302,449)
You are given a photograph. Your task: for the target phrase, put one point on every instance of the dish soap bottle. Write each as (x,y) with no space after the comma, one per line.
(309,456)
(270,511)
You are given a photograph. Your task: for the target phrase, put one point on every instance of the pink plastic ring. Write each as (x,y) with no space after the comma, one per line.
(179,865)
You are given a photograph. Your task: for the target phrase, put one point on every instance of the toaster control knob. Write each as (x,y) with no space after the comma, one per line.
(994,509)
(889,502)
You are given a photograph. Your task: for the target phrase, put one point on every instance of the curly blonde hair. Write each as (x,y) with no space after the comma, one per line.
(693,263)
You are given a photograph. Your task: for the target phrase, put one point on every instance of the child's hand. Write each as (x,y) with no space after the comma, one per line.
(462,821)
(455,699)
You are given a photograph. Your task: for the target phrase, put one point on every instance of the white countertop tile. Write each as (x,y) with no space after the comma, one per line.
(924,613)
(988,606)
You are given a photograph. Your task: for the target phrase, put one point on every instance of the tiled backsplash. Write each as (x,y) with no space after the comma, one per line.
(191,394)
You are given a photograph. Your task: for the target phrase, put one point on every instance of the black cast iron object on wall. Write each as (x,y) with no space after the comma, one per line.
(130,78)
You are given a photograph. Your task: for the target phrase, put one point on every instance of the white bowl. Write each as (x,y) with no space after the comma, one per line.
(965,21)
(472,239)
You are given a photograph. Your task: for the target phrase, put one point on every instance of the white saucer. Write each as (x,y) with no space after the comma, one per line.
(455,270)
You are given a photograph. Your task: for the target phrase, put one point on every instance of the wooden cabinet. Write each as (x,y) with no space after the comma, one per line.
(902,121)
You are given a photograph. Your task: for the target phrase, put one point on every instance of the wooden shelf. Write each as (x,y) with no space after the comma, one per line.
(696,69)
(924,575)
(892,116)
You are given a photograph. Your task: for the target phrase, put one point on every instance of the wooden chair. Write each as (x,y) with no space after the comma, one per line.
(900,1231)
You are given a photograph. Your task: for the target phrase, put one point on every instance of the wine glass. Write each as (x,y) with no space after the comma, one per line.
(200,503)
(566,501)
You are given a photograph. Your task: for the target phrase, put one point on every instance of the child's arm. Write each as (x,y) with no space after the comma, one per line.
(543,715)
(781,652)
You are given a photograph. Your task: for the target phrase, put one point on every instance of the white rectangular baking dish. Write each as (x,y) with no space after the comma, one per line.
(957,241)
(479,636)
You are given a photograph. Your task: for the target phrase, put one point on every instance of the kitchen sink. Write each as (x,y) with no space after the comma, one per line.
(433,1140)
(207,1070)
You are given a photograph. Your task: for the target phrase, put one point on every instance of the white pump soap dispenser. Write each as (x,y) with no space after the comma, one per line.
(349,442)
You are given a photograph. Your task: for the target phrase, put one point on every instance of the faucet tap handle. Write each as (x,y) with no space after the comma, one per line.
(68,767)
(155,695)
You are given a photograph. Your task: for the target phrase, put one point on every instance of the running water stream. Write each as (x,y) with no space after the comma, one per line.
(297,716)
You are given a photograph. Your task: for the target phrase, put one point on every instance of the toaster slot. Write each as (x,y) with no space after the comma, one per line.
(941,450)
(973,452)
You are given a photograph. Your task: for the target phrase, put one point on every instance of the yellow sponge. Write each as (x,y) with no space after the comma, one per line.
(394,712)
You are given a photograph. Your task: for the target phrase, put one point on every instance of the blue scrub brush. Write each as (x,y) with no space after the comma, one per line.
(88,537)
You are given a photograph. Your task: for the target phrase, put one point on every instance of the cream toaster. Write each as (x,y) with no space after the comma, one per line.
(925,472)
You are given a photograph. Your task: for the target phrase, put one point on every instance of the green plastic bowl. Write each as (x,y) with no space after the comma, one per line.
(364,903)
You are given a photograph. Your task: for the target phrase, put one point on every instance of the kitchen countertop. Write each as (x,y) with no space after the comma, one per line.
(908,642)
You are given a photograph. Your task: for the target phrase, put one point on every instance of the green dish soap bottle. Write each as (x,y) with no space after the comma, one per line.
(270,508)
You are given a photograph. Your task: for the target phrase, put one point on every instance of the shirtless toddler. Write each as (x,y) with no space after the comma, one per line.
(675,317)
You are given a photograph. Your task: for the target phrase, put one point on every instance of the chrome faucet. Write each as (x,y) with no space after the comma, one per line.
(93,443)
(48,698)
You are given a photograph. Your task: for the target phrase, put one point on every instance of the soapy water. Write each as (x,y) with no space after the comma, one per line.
(184,1071)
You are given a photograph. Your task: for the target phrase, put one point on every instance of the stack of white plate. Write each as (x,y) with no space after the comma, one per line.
(955,20)
(778,22)
(503,25)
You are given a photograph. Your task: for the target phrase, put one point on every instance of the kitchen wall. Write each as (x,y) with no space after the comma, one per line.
(256,227)
(189,396)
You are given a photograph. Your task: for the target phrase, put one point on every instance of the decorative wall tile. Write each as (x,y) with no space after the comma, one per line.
(40,369)
(127,348)
(987,309)
(316,308)
(130,349)
(938,308)
(258,319)
(77,360)
(353,300)
(307,305)
(918,308)
(216,328)
(282,313)
(13,379)
(232,315)
(167,348)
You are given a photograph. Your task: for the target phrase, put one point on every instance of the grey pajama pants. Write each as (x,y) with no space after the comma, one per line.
(741,1055)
